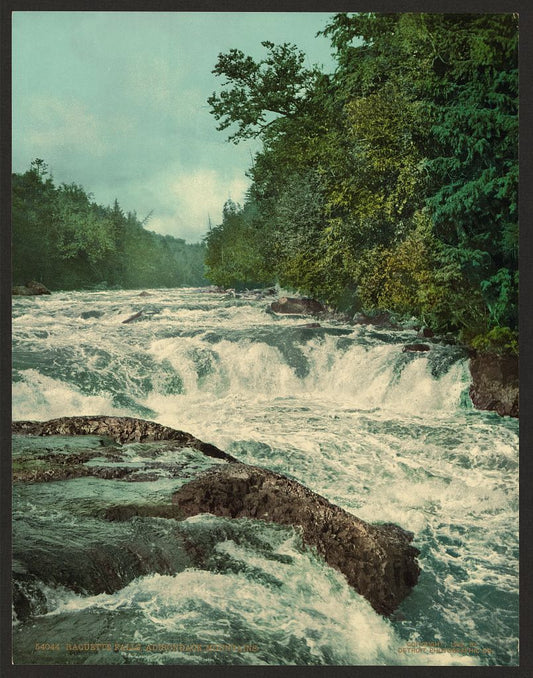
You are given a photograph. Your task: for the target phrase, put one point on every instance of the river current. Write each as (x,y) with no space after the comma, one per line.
(386,435)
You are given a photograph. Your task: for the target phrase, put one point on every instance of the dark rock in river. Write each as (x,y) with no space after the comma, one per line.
(91,563)
(31,288)
(297,306)
(495,384)
(214,289)
(120,429)
(133,317)
(377,560)
(28,598)
(415,348)
(379,320)
(85,315)
(258,293)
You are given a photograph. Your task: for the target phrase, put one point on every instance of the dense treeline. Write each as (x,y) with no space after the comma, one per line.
(65,240)
(390,184)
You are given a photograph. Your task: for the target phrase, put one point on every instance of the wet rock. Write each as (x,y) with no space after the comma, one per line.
(379,320)
(120,429)
(94,562)
(133,317)
(495,383)
(28,598)
(43,468)
(52,474)
(124,512)
(415,348)
(145,294)
(292,305)
(427,333)
(377,560)
(262,292)
(56,466)
(91,314)
(32,287)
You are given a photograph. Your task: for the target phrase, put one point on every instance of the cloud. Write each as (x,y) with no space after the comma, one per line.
(53,125)
(117,101)
(151,80)
(188,199)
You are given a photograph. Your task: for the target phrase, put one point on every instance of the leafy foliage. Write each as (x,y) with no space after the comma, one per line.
(394,179)
(232,259)
(278,84)
(498,340)
(64,239)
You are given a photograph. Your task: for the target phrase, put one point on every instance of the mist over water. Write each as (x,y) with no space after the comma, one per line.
(388,436)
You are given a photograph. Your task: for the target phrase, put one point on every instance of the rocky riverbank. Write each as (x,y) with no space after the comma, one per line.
(31,288)
(495,378)
(495,383)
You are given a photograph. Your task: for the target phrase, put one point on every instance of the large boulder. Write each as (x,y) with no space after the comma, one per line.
(121,429)
(32,287)
(377,560)
(298,306)
(495,383)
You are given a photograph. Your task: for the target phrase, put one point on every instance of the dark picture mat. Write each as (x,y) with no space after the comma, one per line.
(526,322)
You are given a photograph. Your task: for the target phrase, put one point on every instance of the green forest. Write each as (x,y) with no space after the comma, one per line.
(389,184)
(62,238)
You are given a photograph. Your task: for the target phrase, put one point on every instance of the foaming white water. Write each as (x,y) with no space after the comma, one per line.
(37,397)
(367,377)
(386,435)
(229,368)
(362,376)
(299,603)
(363,373)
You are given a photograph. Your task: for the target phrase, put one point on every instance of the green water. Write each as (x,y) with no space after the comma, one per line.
(389,436)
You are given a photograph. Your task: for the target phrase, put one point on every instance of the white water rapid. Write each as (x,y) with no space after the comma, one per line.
(388,436)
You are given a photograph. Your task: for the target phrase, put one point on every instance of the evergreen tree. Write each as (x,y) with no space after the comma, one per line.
(67,241)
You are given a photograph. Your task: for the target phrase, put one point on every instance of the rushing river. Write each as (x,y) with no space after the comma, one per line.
(388,436)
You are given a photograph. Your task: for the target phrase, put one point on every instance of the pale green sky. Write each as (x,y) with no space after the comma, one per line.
(116,101)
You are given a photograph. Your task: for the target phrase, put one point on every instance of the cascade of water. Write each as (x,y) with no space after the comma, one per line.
(388,435)
(70,364)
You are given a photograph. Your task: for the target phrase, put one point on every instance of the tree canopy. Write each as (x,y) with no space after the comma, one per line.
(64,239)
(390,183)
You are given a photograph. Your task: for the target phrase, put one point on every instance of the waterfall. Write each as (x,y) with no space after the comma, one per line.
(388,435)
